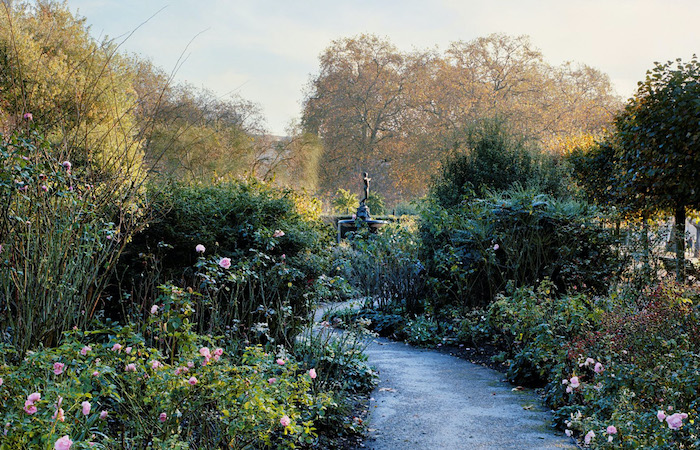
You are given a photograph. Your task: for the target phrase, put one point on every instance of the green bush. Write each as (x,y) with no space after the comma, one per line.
(492,159)
(471,252)
(609,361)
(272,238)
(59,236)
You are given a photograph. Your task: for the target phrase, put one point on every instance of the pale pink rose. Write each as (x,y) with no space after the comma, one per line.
(58,368)
(216,357)
(192,381)
(154,309)
(204,351)
(117,347)
(354,216)
(271,380)
(163,417)
(95,374)
(156,364)
(574,382)
(661,416)
(35,397)
(200,248)
(611,429)
(280,361)
(564,381)
(225,263)
(86,406)
(675,421)
(219,352)
(67,165)
(598,368)
(28,116)
(29,407)
(285,421)
(610,438)
(59,414)
(127,350)
(568,432)
(63,443)
(278,233)
(103,415)
(312,373)
(1,381)
(190,364)
(569,389)
(588,437)
(495,247)
(131,367)
(44,188)
(84,351)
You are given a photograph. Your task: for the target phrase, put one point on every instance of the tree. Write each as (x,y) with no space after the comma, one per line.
(658,135)
(345,201)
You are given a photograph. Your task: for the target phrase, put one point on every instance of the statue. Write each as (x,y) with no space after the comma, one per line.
(366,179)
(363,209)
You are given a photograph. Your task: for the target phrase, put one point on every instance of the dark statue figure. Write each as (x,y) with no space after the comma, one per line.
(363,209)
(362,217)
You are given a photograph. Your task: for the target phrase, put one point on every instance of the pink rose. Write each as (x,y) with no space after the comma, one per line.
(59,415)
(200,248)
(35,397)
(127,350)
(204,351)
(44,188)
(156,364)
(312,373)
(63,443)
(103,415)
(131,367)
(84,351)
(117,347)
(28,116)
(574,382)
(589,436)
(29,407)
(278,233)
(192,381)
(190,364)
(495,247)
(568,432)
(1,381)
(280,361)
(154,309)
(285,421)
(86,406)
(218,352)
(271,380)
(58,368)
(225,263)
(611,429)
(67,165)
(661,416)
(675,421)
(163,417)
(95,374)
(598,368)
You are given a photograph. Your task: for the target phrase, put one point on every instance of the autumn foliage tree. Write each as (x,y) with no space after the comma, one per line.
(397,114)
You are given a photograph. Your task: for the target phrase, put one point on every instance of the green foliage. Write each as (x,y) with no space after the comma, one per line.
(60,235)
(344,202)
(472,251)
(632,356)
(491,158)
(79,92)
(384,267)
(191,401)
(375,202)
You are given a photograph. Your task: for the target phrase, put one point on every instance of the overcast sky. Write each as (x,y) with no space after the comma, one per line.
(266,50)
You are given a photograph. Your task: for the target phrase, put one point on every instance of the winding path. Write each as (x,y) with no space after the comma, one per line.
(430,400)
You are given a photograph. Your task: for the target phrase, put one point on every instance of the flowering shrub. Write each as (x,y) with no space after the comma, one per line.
(619,372)
(117,392)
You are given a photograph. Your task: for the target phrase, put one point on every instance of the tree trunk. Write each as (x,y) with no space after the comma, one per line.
(680,243)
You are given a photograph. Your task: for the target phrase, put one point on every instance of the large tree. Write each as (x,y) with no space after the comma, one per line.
(659,140)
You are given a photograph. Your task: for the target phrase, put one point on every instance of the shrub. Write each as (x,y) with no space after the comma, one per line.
(60,235)
(473,251)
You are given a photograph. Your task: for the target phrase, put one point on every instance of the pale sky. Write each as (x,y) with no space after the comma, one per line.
(267,50)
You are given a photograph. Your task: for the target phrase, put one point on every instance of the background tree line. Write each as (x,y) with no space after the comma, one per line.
(399,114)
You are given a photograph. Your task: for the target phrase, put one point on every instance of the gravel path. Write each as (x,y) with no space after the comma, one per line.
(430,400)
